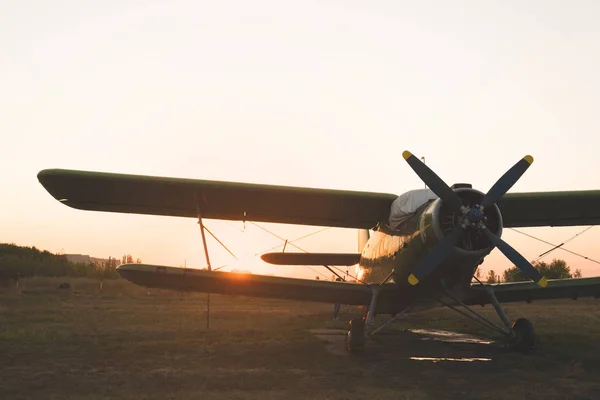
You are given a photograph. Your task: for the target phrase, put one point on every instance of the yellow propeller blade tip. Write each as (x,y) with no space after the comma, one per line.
(406,154)
(528,158)
(413,280)
(543,282)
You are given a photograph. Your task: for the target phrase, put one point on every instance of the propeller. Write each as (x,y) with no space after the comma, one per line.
(507,181)
(435,183)
(470,217)
(526,268)
(435,257)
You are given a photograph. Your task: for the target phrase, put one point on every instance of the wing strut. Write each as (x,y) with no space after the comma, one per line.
(206,255)
(208,265)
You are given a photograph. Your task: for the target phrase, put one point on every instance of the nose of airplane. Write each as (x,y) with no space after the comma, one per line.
(473,215)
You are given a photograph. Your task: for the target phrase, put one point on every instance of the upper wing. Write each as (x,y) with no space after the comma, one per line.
(529,291)
(217,200)
(284,204)
(550,208)
(255,285)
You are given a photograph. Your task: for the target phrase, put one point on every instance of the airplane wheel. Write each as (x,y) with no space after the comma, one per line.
(525,339)
(355,339)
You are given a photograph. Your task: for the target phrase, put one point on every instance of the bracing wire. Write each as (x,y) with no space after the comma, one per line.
(258,226)
(294,240)
(221,243)
(558,246)
(554,247)
(290,242)
(300,248)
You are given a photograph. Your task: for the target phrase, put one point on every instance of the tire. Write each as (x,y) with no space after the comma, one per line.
(525,339)
(355,339)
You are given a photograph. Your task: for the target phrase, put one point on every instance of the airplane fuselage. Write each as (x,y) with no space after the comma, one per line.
(394,255)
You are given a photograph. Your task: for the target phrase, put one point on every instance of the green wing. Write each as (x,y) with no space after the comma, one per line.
(529,291)
(550,208)
(232,283)
(217,200)
(284,204)
(329,259)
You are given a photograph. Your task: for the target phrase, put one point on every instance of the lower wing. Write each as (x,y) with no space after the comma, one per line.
(529,291)
(232,283)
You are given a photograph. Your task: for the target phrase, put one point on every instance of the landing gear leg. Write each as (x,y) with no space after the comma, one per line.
(521,333)
(336,310)
(360,328)
(370,319)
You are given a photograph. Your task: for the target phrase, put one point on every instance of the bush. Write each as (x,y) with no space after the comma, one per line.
(557,269)
(26,262)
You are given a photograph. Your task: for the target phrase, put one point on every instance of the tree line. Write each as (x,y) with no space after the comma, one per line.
(557,269)
(26,262)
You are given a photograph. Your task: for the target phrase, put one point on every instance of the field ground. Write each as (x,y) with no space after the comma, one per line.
(127,343)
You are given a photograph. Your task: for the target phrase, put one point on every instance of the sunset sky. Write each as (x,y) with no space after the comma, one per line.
(314,93)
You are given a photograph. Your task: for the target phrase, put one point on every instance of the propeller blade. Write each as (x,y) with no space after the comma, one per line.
(435,183)
(517,259)
(506,181)
(435,257)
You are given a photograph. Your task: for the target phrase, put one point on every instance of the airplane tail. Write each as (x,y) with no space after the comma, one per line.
(363,238)
(311,258)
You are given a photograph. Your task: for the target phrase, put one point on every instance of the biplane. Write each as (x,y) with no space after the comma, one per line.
(417,250)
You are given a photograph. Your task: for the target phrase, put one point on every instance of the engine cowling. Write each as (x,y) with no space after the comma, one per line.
(439,220)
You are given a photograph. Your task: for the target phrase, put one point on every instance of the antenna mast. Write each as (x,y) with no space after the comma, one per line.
(423,159)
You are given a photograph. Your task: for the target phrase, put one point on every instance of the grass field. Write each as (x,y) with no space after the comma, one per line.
(130,344)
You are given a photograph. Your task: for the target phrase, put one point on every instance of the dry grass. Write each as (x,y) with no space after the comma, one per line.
(126,343)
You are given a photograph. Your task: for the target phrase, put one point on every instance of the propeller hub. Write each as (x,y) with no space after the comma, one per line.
(475,215)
